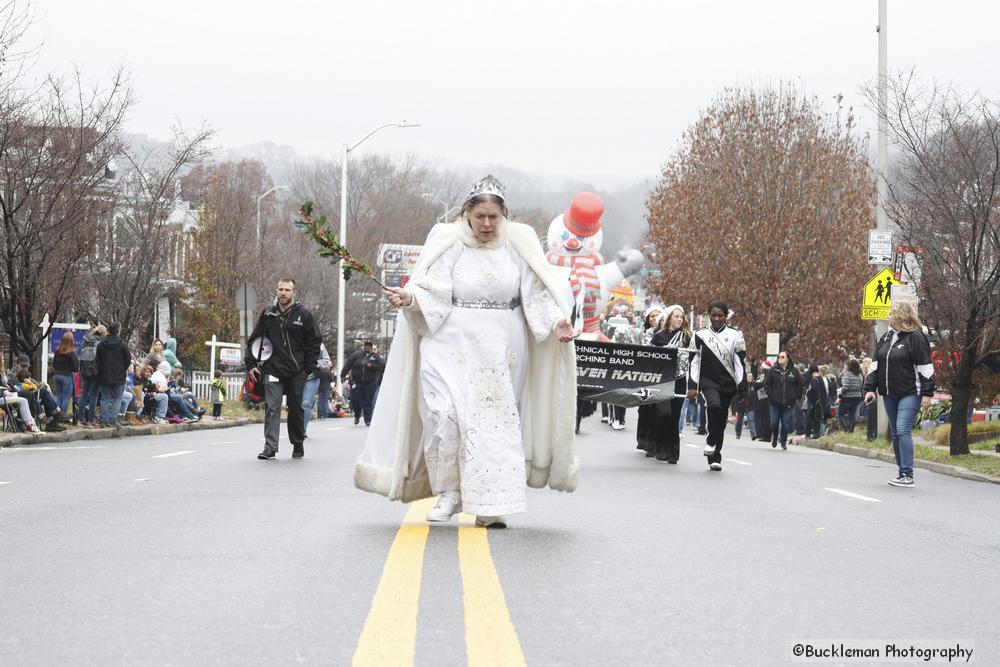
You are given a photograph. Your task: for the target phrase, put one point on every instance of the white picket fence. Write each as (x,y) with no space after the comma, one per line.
(200,381)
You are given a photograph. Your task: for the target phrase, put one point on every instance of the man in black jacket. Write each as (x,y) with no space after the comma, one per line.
(365,368)
(294,341)
(113,360)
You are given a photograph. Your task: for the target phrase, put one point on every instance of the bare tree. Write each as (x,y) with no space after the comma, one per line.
(226,251)
(384,205)
(765,201)
(15,19)
(56,142)
(137,248)
(944,197)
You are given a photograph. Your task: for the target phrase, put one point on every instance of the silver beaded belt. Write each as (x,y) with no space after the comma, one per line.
(486,304)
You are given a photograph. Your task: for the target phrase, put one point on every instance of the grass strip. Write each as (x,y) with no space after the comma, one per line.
(981,463)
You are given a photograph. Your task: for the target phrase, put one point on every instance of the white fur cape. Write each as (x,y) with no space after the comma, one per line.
(392,462)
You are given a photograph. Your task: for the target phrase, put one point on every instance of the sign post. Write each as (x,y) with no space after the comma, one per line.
(215,344)
(44,326)
(246,305)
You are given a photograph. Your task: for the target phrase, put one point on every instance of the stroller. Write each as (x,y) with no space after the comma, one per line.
(252,394)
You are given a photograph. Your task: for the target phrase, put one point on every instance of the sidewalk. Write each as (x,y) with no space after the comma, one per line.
(75,434)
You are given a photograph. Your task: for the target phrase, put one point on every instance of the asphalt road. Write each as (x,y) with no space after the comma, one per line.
(186,550)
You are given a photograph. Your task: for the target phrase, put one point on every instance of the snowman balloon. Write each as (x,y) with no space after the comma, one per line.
(574,241)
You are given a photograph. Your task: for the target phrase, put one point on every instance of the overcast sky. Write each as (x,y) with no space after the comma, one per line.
(594,90)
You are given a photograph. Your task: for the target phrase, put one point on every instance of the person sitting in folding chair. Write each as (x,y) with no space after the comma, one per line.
(8,400)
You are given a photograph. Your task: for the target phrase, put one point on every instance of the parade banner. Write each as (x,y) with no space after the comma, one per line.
(626,375)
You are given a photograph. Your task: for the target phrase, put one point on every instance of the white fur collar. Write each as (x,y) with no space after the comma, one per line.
(468,237)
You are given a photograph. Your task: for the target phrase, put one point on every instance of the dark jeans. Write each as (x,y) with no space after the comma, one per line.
(180,406)
(88,402)
(323,406)
(273,391)
(781,422)
(41,396)
(717,408)
(367,399)
(738,426)
(847,414)
(216,409)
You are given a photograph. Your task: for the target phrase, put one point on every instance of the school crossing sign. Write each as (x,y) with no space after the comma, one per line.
(878,296)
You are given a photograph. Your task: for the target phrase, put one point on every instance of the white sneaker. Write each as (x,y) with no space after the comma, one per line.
(448,505)
(709,450)
(491,521)
(618,426)
(715,466)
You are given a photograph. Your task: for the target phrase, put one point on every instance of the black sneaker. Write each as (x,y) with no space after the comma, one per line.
(774,443)
(902,480)
(784,446)
(266,455)
(298,453)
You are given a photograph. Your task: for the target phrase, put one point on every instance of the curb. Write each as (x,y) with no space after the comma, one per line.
(933,466)
(118,432)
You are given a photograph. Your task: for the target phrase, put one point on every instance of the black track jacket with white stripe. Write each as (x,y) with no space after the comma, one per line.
(902,365)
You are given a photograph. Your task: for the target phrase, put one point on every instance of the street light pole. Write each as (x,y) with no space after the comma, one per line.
(881,188)
(447,209)
(260,246)
(343,233)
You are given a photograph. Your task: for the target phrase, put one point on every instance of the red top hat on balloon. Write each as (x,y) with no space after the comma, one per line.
(583,217)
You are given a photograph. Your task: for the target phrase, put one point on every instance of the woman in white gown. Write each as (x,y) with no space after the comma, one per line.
(489,315)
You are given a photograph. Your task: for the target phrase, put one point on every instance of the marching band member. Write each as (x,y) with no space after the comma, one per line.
(718,373)
(672,331)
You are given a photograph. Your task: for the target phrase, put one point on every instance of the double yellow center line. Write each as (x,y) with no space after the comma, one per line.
(390,633)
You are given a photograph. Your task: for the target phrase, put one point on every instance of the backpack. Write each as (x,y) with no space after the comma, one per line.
(88,362)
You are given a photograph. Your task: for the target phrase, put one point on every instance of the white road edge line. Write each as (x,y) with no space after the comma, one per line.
(2,483)
(163,456)
(336,428)
(742,463)
(854,495)
(692,446)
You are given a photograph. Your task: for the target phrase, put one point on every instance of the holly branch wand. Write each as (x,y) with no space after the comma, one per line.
(329,245)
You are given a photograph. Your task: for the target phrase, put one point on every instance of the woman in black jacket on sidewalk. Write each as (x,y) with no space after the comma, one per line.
(783,385)
(903,374)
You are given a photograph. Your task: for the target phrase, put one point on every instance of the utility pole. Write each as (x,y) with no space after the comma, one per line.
(882,187)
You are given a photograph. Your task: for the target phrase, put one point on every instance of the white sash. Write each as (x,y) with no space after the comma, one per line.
(719,349)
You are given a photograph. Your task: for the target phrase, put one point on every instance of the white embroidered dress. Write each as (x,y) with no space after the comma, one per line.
(473,372)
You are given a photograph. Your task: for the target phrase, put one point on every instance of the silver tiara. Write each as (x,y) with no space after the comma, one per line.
(487,185)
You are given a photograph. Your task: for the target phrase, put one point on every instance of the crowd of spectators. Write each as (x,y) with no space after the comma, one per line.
(105,383)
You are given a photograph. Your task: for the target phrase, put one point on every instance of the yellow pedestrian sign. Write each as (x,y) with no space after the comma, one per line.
(878,296)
